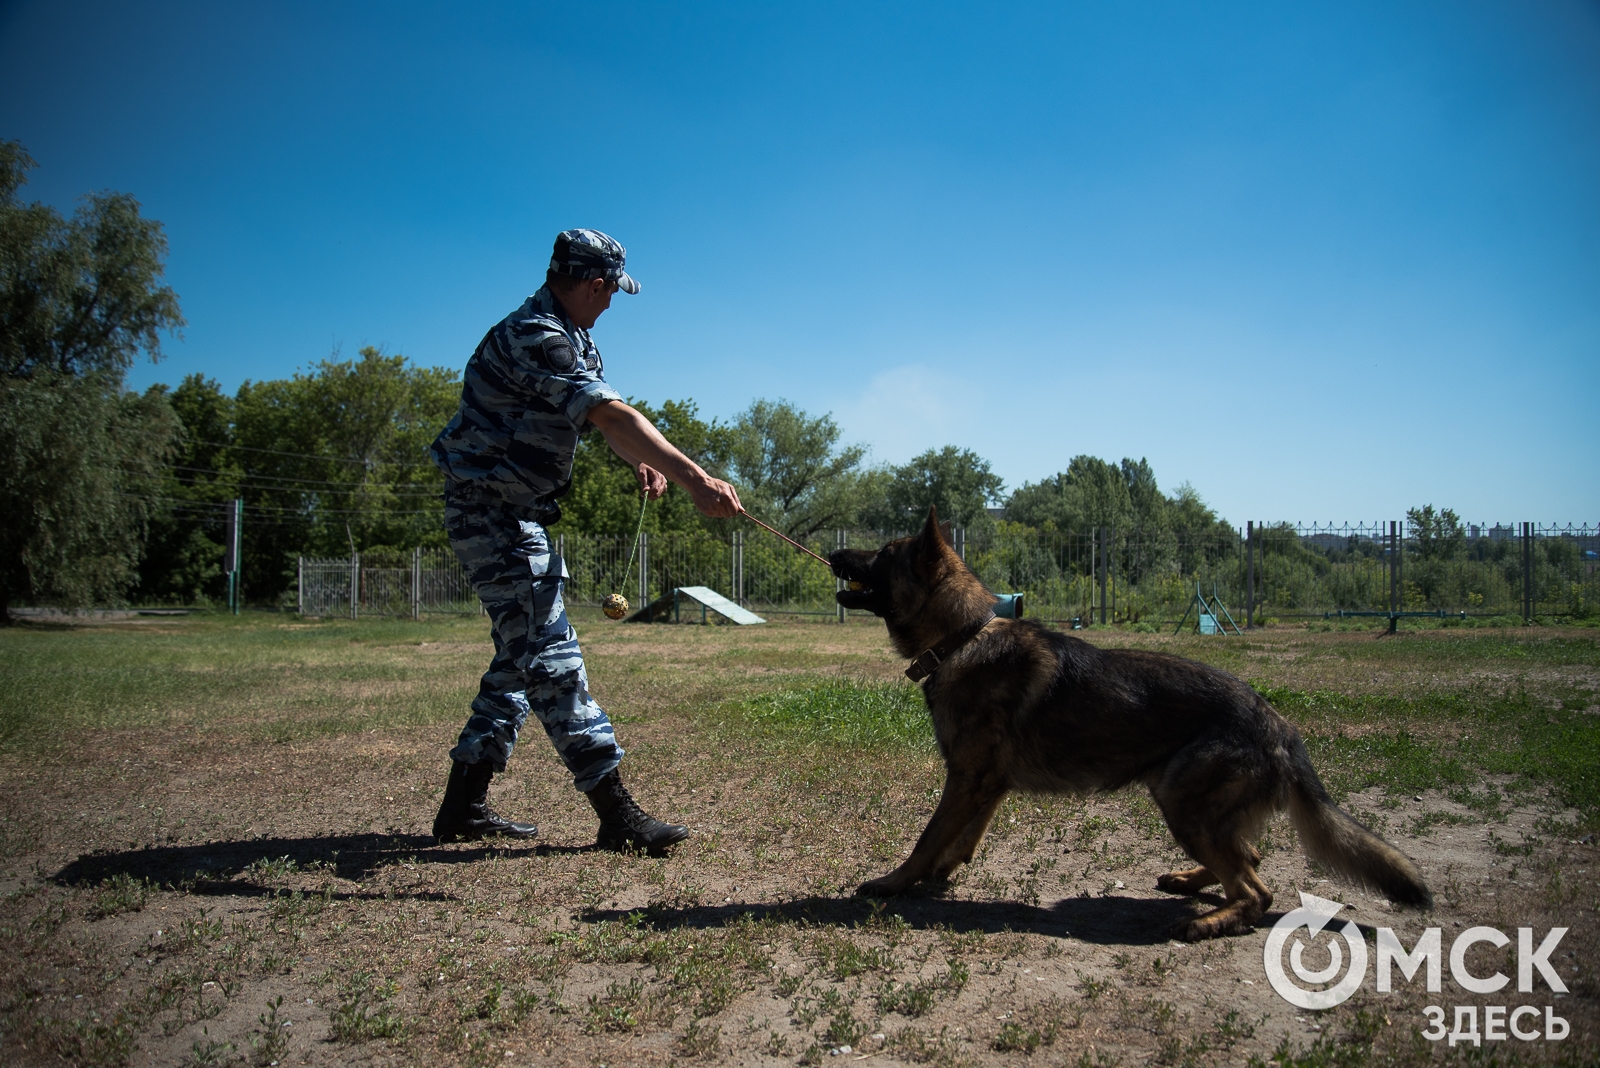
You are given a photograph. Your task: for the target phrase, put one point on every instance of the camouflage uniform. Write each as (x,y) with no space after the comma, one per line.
(507,459)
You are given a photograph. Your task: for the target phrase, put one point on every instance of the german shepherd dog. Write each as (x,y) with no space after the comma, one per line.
(1016,706)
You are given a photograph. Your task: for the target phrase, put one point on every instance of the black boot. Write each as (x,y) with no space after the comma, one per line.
(465,815)
(624,825)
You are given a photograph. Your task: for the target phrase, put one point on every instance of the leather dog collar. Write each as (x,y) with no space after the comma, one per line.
(928,661)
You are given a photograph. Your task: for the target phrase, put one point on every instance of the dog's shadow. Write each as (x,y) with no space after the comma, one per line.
(214,868)
(1128,921)
(224,869)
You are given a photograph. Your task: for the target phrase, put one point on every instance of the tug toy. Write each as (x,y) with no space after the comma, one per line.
(815,556)
(616,605)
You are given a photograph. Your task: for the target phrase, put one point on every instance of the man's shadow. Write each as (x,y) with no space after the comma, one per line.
(215,868)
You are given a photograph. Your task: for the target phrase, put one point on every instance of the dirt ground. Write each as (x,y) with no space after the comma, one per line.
(205,896)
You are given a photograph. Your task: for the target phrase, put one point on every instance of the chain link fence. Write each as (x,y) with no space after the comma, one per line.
(423,581)
(1281,570)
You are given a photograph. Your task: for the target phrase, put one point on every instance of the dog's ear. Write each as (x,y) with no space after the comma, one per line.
(934,536)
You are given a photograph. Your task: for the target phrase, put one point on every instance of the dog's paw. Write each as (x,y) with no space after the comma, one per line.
(1175,883)
(1191,881)
(1218,924)
(884,887)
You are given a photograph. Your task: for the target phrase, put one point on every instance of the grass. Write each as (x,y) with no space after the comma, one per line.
(849,713)
(236,809)
(1439,740)
(274,680)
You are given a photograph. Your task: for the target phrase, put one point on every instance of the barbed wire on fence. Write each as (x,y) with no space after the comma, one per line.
(1266,570)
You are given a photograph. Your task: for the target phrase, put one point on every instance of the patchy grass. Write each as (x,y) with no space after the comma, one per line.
(213,850)
(1449,739)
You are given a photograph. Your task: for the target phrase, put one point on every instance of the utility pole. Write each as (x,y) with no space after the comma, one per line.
(230,555)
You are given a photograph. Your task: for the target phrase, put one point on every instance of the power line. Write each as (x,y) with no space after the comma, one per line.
(275,478)
(314,456)
(309,513)
(293,483)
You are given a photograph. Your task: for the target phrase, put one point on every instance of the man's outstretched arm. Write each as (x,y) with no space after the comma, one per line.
(635,439)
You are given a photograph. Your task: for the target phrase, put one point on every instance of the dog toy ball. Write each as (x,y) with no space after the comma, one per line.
(857,587)
(615,606)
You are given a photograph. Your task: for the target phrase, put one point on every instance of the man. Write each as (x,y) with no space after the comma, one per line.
(533,387)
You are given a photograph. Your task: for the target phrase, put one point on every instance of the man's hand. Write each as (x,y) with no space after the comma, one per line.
(652,483)
(716,498)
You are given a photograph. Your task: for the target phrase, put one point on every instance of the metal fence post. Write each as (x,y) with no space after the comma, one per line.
(1250,575)
(841,541)
(416,584)
(300,586)
(1394,573)
(738,567)
(961,543)
(1527,572)
(1104,555)
(1399,568)
(355,584)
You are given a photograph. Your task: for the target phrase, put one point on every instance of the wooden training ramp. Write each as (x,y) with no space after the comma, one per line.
(670,607)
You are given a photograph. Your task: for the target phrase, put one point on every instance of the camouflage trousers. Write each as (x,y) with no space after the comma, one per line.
(537,666)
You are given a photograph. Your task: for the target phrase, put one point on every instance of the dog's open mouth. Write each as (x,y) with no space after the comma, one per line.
(855,567)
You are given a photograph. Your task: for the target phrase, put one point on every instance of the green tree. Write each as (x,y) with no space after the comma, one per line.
(958,481)
(337,459)
(792,472)
(80,299)
(183,554)
(604,498)
(1090,493)
(1438,535)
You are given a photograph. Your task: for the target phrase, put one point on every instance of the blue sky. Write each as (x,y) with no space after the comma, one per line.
(1322,261)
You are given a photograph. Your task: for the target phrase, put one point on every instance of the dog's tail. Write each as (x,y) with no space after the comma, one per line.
(1333,838)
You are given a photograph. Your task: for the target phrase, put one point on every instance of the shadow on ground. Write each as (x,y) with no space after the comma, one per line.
(206,867)
(214,869)
(1127,921)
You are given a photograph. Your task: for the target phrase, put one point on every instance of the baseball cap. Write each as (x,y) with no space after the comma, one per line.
(586,254)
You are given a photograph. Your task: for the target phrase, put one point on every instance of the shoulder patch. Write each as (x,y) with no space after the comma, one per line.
(559,355)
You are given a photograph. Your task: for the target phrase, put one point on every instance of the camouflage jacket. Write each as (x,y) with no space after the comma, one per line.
(525,400)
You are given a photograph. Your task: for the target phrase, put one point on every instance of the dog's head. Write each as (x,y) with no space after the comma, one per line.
(917,585)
